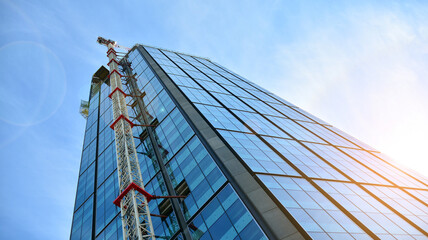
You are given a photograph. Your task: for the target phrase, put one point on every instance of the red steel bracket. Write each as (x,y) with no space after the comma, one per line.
(111,50)
(147,195)
(117,120)
(115,72)
(131,186)
(112,60)
(117,89)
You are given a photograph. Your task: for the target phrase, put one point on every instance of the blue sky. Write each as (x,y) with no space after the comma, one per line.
(360,65)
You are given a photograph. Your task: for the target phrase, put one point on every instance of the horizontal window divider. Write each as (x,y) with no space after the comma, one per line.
(83,203)
(114,171)
(113,219)
(208,201)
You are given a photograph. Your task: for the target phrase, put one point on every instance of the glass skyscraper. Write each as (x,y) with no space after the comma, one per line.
(251,165)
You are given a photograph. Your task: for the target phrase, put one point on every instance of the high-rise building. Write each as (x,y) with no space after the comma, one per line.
(251,165)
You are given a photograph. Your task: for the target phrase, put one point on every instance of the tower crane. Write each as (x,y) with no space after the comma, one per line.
(133,199)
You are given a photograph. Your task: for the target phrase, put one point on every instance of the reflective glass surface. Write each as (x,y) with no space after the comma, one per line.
(171,145)
(273,136)
(403,203)
(312,210)
(330,184)
(106,194)
(82,221)
(225,217)
(373,214)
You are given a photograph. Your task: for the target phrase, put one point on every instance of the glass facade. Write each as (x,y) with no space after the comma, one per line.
(327,183)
